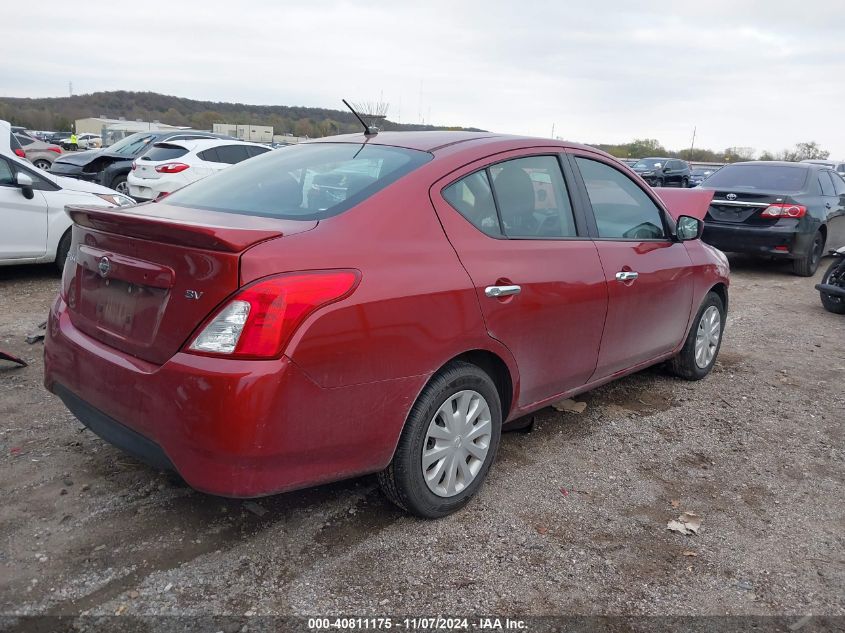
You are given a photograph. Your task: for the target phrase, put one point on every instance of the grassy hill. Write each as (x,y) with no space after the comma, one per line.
(57,113)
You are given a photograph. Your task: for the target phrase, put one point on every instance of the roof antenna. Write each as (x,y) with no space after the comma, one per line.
(369,130)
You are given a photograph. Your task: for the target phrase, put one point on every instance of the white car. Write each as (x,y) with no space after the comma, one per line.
(83,141)
(170,165)
(35,227)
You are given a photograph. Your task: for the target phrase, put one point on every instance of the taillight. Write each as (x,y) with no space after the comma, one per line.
(172,168)
(55,148)
(20,153)
(260,319)
(133,165)
(783,210)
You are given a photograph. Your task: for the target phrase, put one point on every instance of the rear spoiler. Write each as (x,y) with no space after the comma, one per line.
(692,202)
(190,227)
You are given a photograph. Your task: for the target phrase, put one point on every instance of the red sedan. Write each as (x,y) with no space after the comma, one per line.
(375,304)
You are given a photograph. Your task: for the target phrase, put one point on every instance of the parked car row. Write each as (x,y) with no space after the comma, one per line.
(112,165)
(36,228)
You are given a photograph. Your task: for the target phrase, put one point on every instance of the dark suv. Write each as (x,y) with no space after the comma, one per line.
(660,172)
(111,165)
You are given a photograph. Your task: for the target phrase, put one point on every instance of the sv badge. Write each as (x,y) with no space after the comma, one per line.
(193,294)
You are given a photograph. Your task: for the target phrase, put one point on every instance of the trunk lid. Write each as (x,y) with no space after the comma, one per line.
(738,205)
(142,280)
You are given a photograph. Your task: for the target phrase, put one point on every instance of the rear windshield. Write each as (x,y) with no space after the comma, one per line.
(164,151)
(773,177)
(302,182)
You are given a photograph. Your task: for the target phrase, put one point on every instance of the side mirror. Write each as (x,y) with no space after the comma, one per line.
(25,183)
(689,228)
(665,169)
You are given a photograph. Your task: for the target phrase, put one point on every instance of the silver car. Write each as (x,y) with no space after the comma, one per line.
(37,152)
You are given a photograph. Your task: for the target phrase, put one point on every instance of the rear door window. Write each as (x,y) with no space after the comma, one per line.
(309,181)
(231,154)
(826,184)
(621,208)
(256,150)
(838,184)
(210,155)
(532,198)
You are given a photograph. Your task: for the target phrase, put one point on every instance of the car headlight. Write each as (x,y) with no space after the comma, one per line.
(117,199)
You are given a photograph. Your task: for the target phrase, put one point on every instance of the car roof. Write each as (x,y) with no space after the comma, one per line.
(772,163)
(432,141)
(205,143)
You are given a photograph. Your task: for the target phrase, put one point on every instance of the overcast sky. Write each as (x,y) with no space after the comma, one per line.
(765,74)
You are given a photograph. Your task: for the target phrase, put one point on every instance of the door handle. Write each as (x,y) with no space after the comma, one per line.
(502,291)
(827,204)
(626,275)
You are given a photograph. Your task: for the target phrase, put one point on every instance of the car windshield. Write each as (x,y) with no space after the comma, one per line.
(302,182)
(771,177)
(648,163)
(132,145)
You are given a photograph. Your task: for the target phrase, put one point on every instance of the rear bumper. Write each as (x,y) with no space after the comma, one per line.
(777,241)
(233,428)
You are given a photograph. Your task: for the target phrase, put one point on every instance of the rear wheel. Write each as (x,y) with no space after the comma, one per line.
(42,164)
(448,443)
(698,355)
(62,250)
(835,276)
(808,264)
(684,182)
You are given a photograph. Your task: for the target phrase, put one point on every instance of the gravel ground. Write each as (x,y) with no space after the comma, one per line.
(572,519)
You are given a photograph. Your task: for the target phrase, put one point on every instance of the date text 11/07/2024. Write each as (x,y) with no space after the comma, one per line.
(417,624)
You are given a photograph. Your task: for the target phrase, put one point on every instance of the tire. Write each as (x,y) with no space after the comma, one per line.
(43,164)
(120,185)
(62,251)
(831,303)
(684,183)
(808,264)
(404,481)
(658,182)
(685,364)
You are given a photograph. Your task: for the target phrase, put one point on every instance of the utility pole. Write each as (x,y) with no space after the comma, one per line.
(70,88)
(692,144)
(553,130)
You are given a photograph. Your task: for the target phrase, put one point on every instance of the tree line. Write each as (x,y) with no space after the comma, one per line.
(644,148)
(59,113)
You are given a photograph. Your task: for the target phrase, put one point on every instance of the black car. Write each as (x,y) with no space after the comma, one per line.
(783,210)
(700,174)
(110,166)
(660,172)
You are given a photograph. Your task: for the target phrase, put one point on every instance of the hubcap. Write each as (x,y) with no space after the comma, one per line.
(456,443)
(122,187)
(707,337)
